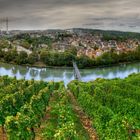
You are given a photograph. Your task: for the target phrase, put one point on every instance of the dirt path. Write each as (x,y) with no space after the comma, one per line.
(2,134)
(86,122)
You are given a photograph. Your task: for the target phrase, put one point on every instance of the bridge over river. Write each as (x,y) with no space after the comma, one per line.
(77,74)
(67,74)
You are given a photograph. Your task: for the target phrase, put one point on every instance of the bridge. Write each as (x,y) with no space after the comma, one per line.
(77,74)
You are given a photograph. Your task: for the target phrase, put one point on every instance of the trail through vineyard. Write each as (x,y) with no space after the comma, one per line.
(2,135)
(85,120)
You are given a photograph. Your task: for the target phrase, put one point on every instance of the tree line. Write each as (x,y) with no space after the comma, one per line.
(51,58)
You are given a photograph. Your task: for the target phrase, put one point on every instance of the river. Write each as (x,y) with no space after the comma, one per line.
(66,75)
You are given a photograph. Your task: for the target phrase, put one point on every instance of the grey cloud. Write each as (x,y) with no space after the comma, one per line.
(42,14)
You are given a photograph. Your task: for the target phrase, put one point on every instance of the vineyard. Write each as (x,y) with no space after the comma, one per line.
(113,106)
(36,110)
(102,109)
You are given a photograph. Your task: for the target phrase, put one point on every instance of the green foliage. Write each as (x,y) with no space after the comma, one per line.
(22,58)
(57,59)
(4,43)
(63,121)
(27,40)
(25,44)
(23,105)
(32,58)
(112,104)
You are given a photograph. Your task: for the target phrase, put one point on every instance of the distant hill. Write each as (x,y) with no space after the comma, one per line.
(108,33)
(105,34)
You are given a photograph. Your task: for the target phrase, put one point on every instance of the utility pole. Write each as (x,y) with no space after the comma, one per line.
(1,26)
(7,26)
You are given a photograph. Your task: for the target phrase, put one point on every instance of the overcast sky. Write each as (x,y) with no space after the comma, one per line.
(49,14)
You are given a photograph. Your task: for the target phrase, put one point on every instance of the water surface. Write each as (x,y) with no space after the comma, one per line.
(66,75)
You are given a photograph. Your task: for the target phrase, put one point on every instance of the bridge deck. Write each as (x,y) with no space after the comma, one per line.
(76,72)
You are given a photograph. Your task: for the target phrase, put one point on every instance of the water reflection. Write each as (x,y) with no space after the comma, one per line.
(66,75)
(110,73)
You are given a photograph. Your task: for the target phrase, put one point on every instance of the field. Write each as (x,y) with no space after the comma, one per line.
(102,109)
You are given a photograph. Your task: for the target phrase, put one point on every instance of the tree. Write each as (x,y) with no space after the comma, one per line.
(33,57)
(44,56)
(22,58)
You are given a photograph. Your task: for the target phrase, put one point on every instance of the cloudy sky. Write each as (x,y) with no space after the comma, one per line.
(49,14)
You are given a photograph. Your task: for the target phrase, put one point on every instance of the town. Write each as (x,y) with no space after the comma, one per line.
(86,43)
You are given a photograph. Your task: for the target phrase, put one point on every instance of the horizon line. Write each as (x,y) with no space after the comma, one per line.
(81,28)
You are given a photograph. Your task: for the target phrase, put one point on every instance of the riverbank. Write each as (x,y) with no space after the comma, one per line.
(42,65)
(37,65)
(64,60)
